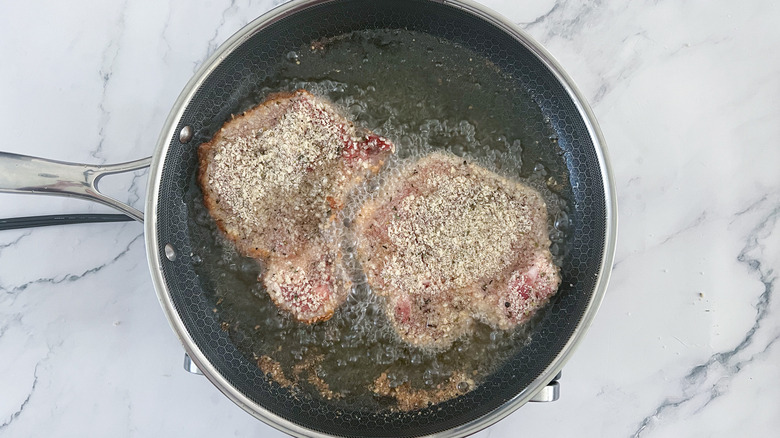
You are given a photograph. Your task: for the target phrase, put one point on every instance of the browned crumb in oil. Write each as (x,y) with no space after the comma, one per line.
(306,366)
(303,371)
(409,398)
(308,369)
(273,369)
(322,387)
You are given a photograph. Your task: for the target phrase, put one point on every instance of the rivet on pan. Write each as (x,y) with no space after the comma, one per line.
(170,253)
(185,135)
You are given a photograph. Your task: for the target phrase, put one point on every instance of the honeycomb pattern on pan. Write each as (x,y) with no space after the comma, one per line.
(222,94)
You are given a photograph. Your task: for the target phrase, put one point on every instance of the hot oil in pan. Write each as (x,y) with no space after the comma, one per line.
(424,94)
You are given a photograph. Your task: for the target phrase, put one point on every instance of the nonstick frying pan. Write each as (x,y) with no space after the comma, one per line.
(222,87)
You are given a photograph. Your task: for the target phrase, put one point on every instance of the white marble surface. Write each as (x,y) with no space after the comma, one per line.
(685,344)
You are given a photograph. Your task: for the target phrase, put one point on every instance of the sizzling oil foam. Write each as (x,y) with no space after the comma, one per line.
(423,94)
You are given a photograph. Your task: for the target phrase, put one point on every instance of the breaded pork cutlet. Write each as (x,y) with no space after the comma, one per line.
(274,179)
(447,242)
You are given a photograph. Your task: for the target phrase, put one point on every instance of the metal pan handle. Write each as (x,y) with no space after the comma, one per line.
(25,174)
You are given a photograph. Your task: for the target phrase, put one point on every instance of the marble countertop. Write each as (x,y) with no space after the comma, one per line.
(685,343)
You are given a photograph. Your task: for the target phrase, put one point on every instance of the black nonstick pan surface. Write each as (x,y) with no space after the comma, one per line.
(529,111)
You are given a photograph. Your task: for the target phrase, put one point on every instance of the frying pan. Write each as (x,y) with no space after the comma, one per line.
(221,88)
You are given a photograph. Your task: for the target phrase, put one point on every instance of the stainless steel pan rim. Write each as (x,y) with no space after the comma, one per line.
(155,258)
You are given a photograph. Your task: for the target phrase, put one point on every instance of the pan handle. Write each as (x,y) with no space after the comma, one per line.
(25,174)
